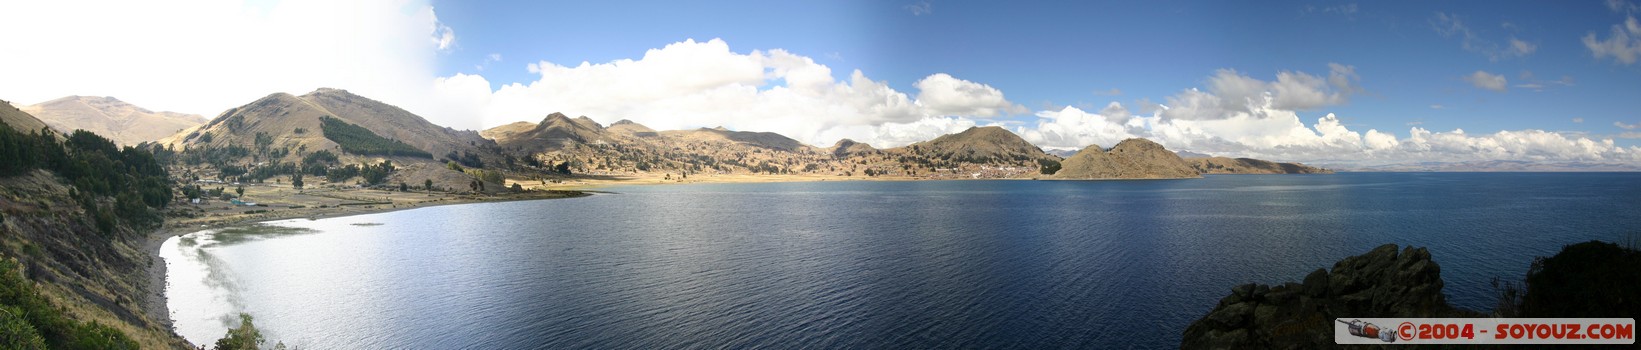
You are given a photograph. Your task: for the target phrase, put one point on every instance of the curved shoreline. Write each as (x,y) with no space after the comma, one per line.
(157,305)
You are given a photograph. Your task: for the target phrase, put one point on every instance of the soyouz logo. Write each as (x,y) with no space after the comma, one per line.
(1484,331)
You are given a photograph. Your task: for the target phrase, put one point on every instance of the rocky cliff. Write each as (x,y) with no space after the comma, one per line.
(1385,282)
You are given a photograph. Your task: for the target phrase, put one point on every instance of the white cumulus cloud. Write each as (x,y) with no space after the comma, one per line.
(1199,121)
(693,84)
(944,95)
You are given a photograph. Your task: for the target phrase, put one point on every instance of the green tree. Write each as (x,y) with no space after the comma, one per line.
(241,190)
(296,181)
(1048,166)
(427,184)
(244,337)
(358,140)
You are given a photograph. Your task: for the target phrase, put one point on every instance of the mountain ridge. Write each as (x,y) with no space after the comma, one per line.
(124,123)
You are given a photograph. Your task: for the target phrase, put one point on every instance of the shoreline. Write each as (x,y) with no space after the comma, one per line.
(157,305)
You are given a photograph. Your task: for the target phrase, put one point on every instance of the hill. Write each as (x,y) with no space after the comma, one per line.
(18,119)
(75,215)
(846,148)
(1222,165)
(555,132)
(582,145)
(981,145)
(630,128)
(764,140)
(1130,159)
(627,148)
(117,120)
(326,131)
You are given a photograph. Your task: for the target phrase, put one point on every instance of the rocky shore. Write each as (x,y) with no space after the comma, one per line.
(1385,282)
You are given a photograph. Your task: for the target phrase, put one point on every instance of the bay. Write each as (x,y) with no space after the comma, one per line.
(863,264)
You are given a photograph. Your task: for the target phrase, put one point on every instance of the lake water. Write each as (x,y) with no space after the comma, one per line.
(936,264)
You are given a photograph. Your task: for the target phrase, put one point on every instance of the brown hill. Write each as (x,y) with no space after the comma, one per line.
(630,128)
(282,128)
(555,132)
(982,145)
(18,119)
(294,123)
(1222,165)
(1130,159)
(122,122)
(846,148)
(765,140)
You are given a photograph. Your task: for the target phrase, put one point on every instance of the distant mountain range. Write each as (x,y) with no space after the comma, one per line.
(1500,166)
(285,129)
(124,123)
(979,152)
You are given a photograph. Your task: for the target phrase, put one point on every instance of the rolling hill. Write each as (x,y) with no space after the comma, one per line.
(117,120)
(981,145)
(280,130)
(1130,159)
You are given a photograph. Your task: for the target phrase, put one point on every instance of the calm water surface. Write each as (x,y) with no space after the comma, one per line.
(966,264)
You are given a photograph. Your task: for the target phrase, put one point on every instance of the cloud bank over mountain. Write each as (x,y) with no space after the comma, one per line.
(701,84)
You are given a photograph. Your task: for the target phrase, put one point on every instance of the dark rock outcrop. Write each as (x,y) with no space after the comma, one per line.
(1384,282)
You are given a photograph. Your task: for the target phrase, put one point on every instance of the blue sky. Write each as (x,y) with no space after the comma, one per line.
(1339,82)
(1044,54)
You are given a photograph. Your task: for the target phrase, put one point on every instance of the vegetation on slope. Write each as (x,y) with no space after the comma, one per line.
(29,321)
(358,140)
(97,169)
(71,212)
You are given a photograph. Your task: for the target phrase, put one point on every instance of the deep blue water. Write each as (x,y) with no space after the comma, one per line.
(949,264)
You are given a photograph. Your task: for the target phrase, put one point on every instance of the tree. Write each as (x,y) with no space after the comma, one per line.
(564,168)
(296,181)
(403,187)
(427,184)
(1048,167)
(517,188)
(244,337)
(240,190)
